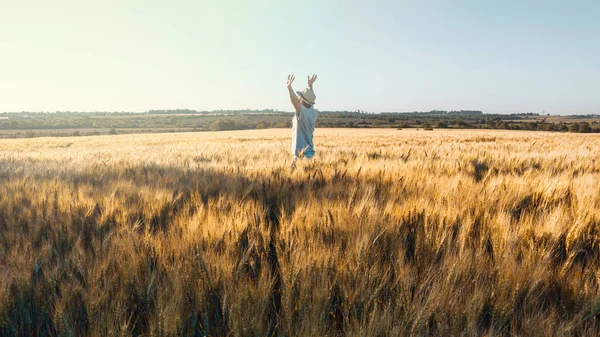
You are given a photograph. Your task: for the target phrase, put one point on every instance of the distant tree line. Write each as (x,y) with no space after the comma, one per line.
(438,112)
(188,111)
(225,124)
(70,123)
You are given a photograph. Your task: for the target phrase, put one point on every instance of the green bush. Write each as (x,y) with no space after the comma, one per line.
(460,123)
(285,124)
(584,127)
(223,124)
(262,125)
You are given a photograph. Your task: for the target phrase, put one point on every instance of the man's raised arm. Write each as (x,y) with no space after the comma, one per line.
(293,96)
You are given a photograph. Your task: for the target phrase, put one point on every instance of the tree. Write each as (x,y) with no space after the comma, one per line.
(584,127)
(222,124)
(262,125)
(574,127)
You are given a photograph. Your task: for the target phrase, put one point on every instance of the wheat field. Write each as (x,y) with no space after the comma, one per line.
(384,233)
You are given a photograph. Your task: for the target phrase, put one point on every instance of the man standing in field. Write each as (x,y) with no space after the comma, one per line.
(303,124)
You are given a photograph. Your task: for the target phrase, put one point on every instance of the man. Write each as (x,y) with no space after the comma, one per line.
(303,124)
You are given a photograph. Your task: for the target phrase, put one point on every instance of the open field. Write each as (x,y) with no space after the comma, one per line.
(386,233)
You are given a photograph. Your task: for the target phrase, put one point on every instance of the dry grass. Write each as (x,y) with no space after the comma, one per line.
(399,233)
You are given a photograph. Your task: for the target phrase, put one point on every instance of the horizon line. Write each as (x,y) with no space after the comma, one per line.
(270,110)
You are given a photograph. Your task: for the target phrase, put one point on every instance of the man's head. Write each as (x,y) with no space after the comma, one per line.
(306,97)
(303,102)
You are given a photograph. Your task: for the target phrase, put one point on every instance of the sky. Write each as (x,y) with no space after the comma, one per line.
(375,56)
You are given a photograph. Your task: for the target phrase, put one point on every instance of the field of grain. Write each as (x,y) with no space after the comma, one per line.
(384,233)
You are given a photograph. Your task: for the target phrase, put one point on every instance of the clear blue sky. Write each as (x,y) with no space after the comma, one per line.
(497,56)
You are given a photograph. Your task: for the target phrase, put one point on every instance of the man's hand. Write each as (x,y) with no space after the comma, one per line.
(311,80)
(290,80)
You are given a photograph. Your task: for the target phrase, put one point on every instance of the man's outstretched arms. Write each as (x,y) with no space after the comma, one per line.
(293,97)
